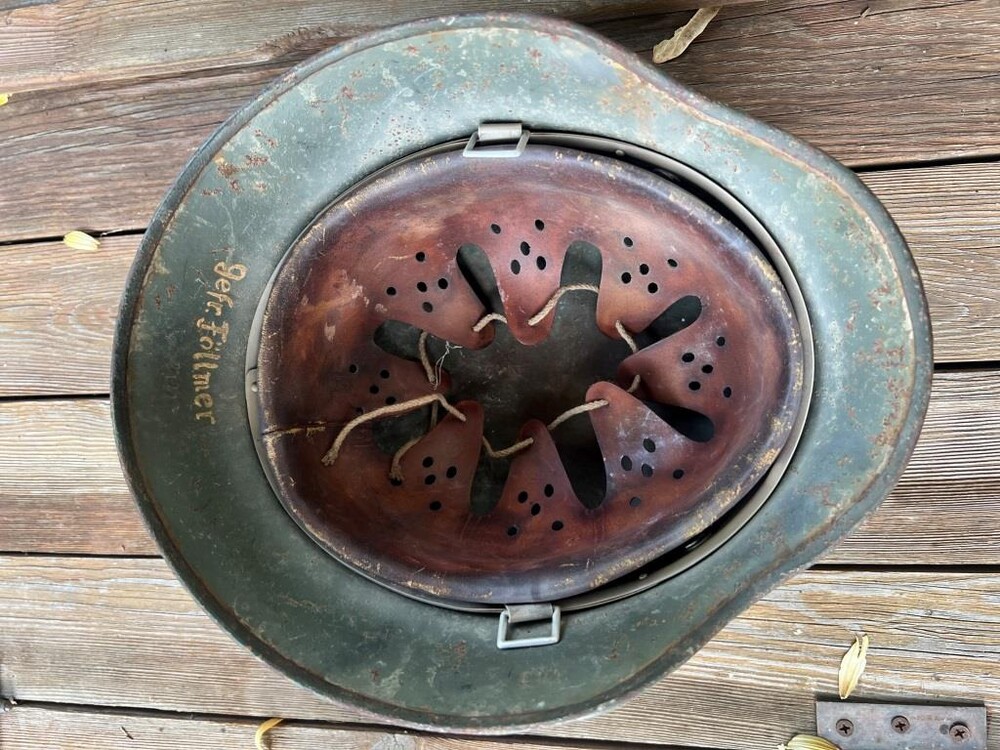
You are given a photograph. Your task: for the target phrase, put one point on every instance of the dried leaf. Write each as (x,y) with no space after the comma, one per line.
(808,742)
(673,47)
(263,729)
(852,666)
(4,98)
(80,241)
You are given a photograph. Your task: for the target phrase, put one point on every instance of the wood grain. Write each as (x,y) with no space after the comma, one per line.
(147,645)
(28,727)
(944,509)
(61,488)
(57,315)
(64,42)
(904,83)
(950,215)
(58,306)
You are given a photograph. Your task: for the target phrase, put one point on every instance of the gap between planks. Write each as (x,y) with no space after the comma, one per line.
(125,633)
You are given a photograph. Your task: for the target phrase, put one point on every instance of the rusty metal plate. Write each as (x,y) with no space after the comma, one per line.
(897,726)
(580,254)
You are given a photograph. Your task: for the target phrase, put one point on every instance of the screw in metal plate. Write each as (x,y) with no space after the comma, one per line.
(900,724)
(845,727)
(959,732)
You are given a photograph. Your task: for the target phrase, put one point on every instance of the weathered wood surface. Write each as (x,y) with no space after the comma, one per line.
(58,306)
(111,99)
(64,42)
(950,216)
(61,488)
(107,632)
(905,83)
(28,727)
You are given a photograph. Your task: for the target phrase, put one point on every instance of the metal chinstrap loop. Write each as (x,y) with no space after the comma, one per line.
(497,133)
(513,614)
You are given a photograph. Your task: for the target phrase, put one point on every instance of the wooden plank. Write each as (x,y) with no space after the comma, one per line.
(944,509)
(57,315)
(28,727)
(61,488)
(101,155)
(55,43)
(124,633)
(58,306)
(950,215)
(869,82)
(66,42)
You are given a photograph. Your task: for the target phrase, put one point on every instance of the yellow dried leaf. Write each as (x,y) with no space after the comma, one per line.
(808,742)
(80,241)
(263,729)
(852,666)
(673,47)
(4,98)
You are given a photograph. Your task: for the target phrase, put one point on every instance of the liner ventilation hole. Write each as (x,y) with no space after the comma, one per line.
(428,462)
(540,262)
(653,288)
(647,471)
(452,472)
(536,509)
(549,490)
(390,400)
(522,496)
(495,228)
(442,283)
(557,525)
(649,445)
(515,267)
(384,374)
(421,257)
(391,291)
(626,277)
(436,505)
(512,531)
(352,368)
(635,502)
(525,249)
(643,269)
(421,286)
(687,357)
(428,307)
(678,473)
(626,463)
(727,392)
(694,385)
(721,341)
(627,241)
(374,390)
(430,479)
(539,225)
(707,369)
(672,263)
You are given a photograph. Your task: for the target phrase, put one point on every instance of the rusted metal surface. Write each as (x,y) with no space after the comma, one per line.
(857,725)
(731,360)
(180,365)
